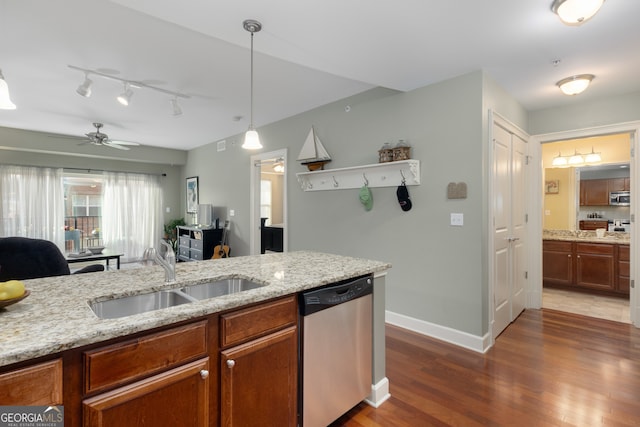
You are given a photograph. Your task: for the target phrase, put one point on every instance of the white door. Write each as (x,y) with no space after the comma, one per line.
(509,227)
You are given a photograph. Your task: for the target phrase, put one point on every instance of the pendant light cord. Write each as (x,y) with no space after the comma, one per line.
(251,109)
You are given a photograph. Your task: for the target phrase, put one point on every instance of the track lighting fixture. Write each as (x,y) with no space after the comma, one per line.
(251,138)
(125,96)
(177,111)
(5,99)
(85,88)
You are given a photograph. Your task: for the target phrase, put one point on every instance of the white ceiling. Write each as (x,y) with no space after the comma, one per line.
(309,53)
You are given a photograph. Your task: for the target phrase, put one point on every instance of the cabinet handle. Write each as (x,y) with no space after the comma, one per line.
(569,255)
(231,363)
(204,374)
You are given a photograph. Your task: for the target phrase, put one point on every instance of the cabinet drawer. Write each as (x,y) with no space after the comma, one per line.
(39,384)
(556,245)
(196,244)
(595,248)
(184,241)
(196,254)
(623,253)
(133,359)
(184,251)
(242,325)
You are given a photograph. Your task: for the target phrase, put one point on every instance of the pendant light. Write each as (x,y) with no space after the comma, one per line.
(251,138)
(5,99)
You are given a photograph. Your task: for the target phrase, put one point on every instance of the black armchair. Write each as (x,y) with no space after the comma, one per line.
(24,258)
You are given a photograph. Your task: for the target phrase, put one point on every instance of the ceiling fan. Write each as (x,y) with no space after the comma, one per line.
(100,138)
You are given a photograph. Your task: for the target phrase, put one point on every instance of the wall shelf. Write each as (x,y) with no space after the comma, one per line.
(388,174)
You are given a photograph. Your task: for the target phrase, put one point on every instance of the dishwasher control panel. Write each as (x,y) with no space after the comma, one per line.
(334,294)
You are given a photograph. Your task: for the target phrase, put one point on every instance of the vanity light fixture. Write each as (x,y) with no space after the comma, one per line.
(559,160)
(251,138)
(593,157)
(5,99)
(576,159)
(576,12)
(125,97)
(575,84)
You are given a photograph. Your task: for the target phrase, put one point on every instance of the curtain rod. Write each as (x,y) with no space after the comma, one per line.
(90,170)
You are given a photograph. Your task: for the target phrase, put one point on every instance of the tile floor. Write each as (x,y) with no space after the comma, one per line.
(602,307)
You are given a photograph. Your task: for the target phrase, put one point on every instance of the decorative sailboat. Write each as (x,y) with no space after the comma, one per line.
(313,153)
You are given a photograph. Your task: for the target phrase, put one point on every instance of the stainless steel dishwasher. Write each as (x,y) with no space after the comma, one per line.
(336,346)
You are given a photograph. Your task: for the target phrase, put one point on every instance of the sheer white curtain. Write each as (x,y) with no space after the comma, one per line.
(132,219)
(32,203)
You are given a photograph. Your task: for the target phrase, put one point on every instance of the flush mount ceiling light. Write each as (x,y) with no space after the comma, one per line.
(5,99)
(575,84)
(124,98)
(576,12)
(251,138)
(85,88)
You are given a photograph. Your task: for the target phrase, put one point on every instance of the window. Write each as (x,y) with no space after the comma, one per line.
(265,200)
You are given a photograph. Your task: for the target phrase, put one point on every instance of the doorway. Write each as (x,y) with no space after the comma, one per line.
(535,287)
(269,230)
(578,175)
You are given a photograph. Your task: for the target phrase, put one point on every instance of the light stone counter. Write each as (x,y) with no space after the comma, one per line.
(615,237)
(56,316)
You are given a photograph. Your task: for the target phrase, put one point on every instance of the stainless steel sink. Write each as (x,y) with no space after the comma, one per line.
(136,304)
(220,288)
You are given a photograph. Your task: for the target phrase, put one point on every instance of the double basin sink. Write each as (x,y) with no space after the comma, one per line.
(136,304)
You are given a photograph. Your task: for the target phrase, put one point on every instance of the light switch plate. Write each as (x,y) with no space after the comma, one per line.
(232,212)
(457,219)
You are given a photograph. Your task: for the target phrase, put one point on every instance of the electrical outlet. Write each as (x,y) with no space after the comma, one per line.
(457,219)
(232,212)
(168,209)
(222,145)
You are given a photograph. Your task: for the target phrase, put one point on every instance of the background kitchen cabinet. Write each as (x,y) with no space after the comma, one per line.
(557,263)
(595,266)
(623,269)
(594,192)
(619,184)
(593,224)
(196,244)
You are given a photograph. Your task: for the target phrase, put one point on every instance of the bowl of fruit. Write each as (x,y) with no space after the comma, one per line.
(12,292)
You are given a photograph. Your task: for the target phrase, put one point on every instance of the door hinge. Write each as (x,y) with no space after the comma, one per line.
(526,218)
(526,274)
(632,151)
(526,160)
(633,283)
(633,218)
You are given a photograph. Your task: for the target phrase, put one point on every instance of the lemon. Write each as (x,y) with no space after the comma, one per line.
(11,289)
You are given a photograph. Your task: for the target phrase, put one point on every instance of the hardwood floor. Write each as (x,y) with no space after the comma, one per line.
(548,368)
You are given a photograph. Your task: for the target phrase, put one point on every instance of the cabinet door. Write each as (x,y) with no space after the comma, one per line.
(259,382)
(617,184)
(595,266)
(39,384)
(557,263)
(623,269)
(594,192)
(176,398)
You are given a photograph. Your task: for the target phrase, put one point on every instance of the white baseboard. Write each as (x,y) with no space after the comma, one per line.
(453,336)
(379,393)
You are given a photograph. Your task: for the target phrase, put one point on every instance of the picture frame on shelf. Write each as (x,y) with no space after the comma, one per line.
(192,195)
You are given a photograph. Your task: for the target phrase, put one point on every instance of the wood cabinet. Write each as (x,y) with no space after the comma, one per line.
(597,267)
(176,393)
(196,244)
(593,224)
(38,384)
(258,365)
(176,398)
(594,192)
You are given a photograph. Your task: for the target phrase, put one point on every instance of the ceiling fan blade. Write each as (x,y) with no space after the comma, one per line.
(124,142)
(112,144)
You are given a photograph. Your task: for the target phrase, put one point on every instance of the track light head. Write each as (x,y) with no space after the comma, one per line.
(175,108)
(85,88)
(125,96)
(5,99)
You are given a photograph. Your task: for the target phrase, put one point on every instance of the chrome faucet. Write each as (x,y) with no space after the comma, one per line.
(168,263)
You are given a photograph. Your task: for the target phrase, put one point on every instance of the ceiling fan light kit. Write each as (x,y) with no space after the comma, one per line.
(125,97)
(575,85)
(5,99)
(251,138)
(576,12)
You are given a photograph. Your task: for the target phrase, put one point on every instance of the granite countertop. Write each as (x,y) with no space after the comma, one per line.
(56,316)
(615,237)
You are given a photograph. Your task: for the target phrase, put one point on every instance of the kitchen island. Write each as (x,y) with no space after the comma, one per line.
(56,325)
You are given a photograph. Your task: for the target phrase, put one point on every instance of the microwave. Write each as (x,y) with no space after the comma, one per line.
(620,198)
